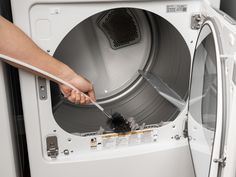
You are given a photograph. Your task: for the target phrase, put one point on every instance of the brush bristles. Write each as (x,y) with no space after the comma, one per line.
(119,124)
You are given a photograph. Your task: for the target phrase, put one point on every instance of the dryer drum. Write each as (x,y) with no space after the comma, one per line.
(149,51)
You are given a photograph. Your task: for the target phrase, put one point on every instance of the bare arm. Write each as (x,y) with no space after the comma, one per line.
(16,44)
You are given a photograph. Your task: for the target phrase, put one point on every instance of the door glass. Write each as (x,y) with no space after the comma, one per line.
(203,102)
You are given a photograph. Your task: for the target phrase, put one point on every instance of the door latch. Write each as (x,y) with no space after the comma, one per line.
(52,146)
(42,86)
(185,131)
(220,161)
(196,21)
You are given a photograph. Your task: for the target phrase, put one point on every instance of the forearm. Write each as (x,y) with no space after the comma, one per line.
(16,44)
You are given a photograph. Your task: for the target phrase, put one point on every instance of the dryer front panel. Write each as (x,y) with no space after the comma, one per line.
(140,70)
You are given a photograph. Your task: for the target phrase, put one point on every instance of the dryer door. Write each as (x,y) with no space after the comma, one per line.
(205,116)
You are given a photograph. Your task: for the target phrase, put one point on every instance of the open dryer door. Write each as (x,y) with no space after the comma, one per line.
(205,104)
(207,101)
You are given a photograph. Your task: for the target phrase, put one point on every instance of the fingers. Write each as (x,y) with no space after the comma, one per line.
(72,97)
(66,91)
(78,98)
(91,94)
(82,98)
(82,85)
(87,100)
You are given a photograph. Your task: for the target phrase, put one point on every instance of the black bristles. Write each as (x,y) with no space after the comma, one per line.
(118,123)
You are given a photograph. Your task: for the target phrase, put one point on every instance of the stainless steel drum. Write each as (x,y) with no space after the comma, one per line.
(109,49)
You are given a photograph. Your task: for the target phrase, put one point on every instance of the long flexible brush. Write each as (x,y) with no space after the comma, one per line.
(116,121)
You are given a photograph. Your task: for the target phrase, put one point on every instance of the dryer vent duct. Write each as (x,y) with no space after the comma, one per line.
(120,27)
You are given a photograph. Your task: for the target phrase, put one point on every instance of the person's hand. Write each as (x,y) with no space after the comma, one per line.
(83,85)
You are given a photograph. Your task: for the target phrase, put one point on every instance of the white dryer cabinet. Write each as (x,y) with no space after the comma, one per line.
(168,64)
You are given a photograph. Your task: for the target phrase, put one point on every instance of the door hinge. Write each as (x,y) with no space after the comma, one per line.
(196,21)
(52,146)
(185,131)
(220,161)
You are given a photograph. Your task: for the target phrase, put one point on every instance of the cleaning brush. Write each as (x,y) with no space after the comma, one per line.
(116,121)
(119,124)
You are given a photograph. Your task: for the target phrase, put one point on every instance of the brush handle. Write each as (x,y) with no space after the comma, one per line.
(33,68)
